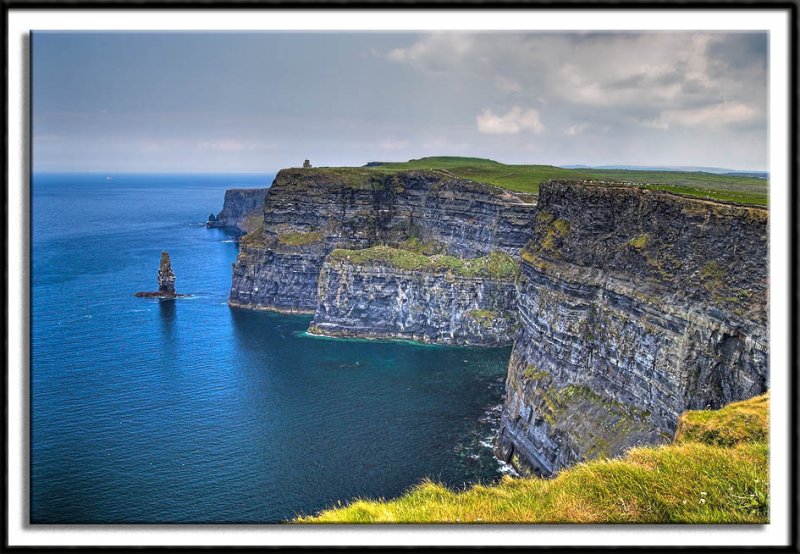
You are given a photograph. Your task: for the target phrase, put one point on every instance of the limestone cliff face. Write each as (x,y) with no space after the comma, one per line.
(432,305)
(242,210)
(634,306)
(310,212)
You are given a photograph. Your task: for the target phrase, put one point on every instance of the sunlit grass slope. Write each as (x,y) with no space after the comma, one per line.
(527,178)
(716,471)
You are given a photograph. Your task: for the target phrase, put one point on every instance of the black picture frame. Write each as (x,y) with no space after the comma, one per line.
(791,7)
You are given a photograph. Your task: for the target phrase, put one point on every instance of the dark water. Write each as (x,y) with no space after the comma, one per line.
(189,411)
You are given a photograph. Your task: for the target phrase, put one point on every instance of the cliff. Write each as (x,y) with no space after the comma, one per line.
(626,305)
(310,212)
(242,210)
(383,292)
(634,306)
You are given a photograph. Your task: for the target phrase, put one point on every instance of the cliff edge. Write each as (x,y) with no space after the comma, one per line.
(634,306)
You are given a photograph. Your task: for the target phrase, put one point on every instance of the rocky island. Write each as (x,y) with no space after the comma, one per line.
(626,303)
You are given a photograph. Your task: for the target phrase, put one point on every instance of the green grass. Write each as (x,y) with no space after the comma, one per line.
(519,178)
(737,423)
(716,471)
(757,196)
(426,247)
(299,239)
(562,226)
(639,242)
(497,265)
(533,373)
(351,177)
(527,178)
(485,318)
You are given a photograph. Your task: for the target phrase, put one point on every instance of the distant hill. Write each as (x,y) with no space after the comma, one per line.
(753,174)
(682,168)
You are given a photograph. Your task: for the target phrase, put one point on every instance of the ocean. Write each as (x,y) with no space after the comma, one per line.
(189,411)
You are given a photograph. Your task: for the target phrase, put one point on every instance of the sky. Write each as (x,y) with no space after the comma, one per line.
(256,102)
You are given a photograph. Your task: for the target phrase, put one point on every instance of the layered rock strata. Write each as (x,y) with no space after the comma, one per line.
(634,306)
(386,293)
(310,212)
(242,210)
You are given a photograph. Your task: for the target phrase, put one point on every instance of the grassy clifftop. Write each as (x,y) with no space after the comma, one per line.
(716,471)
(527,178)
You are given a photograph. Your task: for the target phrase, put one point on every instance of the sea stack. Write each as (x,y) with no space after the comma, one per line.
(166,281)
(166,278)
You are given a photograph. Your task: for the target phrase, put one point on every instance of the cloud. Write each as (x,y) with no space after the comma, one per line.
(577,129)
(726,113)
(426,53)
(639,75)
(505,84)
(514,121)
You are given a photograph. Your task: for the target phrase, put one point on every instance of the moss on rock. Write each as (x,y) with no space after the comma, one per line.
(495,265)
(639,242)
(300,239)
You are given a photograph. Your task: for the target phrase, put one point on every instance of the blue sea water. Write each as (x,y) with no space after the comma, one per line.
(190,411)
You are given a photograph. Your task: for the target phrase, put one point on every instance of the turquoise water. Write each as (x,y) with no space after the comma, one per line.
(190,411)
